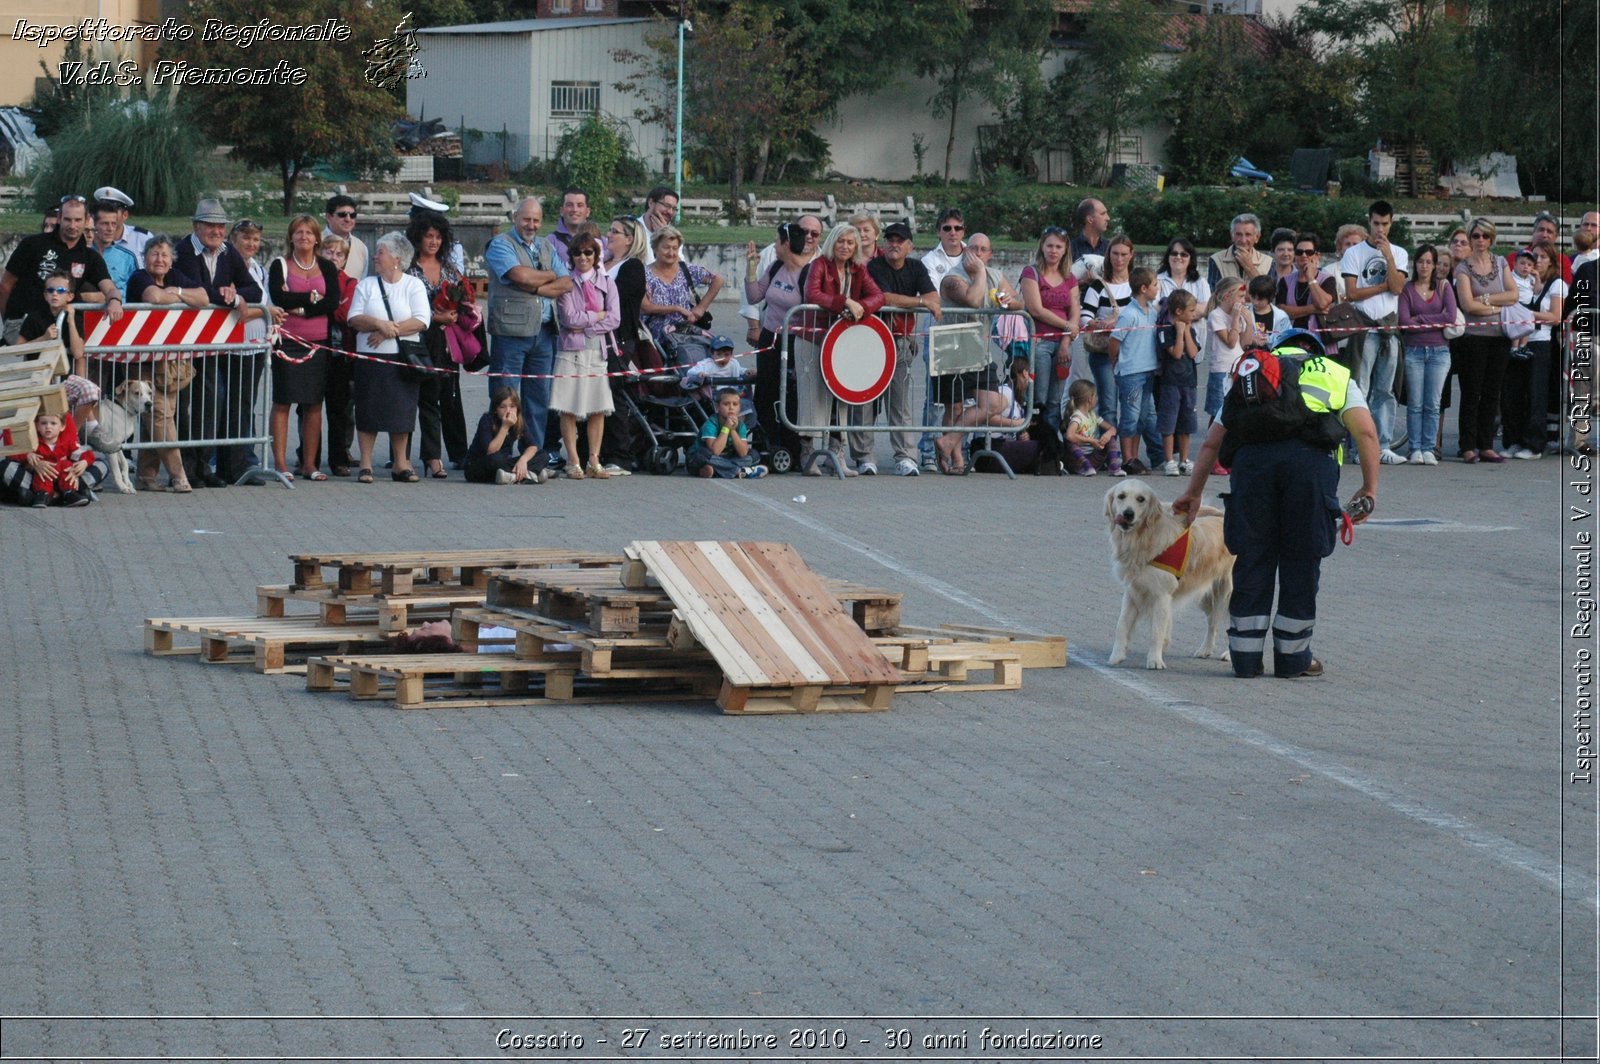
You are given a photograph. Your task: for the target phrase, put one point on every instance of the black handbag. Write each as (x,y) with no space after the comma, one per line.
(704,320)
(413,358)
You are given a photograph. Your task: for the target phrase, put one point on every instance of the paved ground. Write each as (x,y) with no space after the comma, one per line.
(1235,869)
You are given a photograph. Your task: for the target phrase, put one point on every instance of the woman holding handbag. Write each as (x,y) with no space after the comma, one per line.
(439,398)
(1483,287)
(307,288)
(389,313)
(1103,298)
(587,315)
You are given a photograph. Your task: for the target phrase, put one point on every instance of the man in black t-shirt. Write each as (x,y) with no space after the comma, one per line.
(68,248)
(906,285)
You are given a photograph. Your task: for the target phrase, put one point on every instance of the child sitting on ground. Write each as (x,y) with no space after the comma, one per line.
(724,449)
(1091,439)
(82,393)
(1179,348)
(59,472)
(503,451)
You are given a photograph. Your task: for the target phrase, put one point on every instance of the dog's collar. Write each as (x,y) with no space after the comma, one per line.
(1175,559)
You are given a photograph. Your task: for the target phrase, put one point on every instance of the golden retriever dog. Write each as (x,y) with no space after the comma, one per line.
(1157,572)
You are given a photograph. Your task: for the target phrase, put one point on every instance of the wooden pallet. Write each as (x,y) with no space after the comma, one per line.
(598,655)
(780,638)
(1037,651)
(17,432)
(595,597)
(268,641)
(428,681)
(392,614)
(398,572)
(19,361)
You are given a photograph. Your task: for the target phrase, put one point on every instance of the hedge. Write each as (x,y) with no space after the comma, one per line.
(1203,215)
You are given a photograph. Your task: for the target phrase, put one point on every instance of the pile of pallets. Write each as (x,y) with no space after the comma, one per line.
(746,624)
(30,385)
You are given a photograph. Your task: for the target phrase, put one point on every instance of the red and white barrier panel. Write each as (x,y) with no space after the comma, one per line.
(161,327)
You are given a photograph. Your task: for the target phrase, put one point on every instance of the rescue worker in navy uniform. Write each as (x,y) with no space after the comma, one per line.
(1283,514)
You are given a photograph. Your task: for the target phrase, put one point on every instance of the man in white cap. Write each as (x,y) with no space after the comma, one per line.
(132,237)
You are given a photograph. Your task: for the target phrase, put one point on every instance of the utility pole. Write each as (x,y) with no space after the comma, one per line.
(677,164)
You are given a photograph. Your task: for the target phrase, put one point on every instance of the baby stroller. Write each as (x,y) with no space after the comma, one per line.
(665,420)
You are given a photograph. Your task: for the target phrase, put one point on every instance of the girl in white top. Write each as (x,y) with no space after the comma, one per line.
(1227,319)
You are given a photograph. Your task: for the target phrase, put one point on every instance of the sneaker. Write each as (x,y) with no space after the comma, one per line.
(755,472)
(1524,453)
(1087,471)
(1388,457)
(1186,468)
(504,476)
(1114,472)
(869,468)
(1169,468)
(39,501)
(930,464)
(1312,671)
(1415,459)
(76,498)
(905,467)
(540,476)
(1429,458)
(616,470)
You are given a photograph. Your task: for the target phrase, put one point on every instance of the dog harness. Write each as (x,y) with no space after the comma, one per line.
(1175,559)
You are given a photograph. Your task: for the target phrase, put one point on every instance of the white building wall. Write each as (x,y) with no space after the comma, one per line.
(523,66)
(456,90)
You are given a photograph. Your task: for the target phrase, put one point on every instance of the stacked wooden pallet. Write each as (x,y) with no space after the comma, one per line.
(30,385)
(365,599)
(748,624)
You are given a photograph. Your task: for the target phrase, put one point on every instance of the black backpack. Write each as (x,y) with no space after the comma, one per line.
(1264,405)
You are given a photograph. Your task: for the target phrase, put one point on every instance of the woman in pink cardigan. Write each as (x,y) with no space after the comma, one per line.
(586,315)
(838,282)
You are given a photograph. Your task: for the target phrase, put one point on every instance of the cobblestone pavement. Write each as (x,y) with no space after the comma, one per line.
(1386,843)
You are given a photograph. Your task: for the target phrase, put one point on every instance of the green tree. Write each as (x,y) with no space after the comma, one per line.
(334,114)
(593,155)
(1206,95)
(1313,99)
(1408,58)
(989,51)
(1108,82)
(748,82)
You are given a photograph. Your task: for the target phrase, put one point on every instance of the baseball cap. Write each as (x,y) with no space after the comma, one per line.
(897,229)
(721,343)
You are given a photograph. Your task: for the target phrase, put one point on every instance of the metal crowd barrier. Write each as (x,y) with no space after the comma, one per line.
(963,341)
(217,402)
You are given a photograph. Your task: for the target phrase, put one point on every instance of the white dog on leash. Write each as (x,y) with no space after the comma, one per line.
(118,422)
(1160,563)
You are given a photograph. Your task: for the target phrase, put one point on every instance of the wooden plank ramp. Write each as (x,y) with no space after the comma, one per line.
(774,629)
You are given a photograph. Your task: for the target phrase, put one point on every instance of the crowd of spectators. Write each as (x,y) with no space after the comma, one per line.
(1093,353)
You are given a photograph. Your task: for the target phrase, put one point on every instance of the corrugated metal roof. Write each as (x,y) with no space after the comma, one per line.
(533,25)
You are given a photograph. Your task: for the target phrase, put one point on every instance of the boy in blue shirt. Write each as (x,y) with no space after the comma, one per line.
(1133,357)
(724,449)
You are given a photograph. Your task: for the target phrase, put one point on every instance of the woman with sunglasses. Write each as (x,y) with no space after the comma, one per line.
(1483,287)
(1050,294)
(1309,289)
(587,315)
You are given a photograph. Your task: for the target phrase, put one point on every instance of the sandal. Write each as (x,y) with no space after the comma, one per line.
(439,474)
(314,474)
(285,474)
(595,471)
(180,487)
(1469,457)
(364,476)
(404,476)
(574,471)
